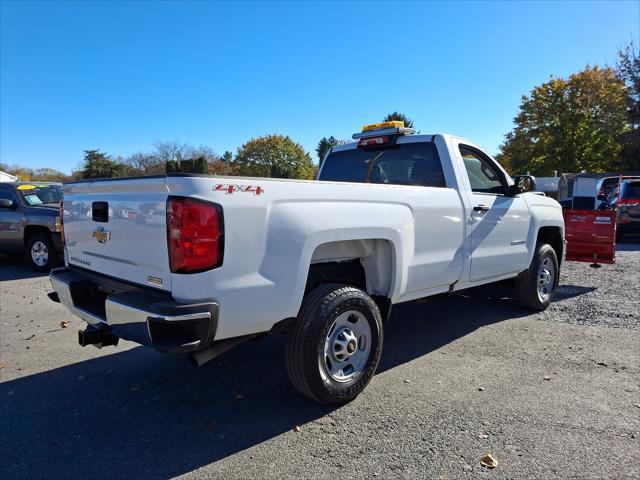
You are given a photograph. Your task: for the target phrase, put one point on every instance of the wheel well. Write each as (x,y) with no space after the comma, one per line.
(366,264)
(552,236)
(31,230)
(349,272)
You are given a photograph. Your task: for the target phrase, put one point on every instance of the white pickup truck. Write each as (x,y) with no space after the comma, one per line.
(201,263)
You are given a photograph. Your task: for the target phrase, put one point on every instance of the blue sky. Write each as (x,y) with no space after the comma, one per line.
(120,76)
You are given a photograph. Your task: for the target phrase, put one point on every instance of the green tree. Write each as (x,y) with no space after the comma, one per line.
(227,157)
(324,145)
(628,69)
(200,165)
(172,166)
(97,164)
(274,156)
(569,125)
(399,116)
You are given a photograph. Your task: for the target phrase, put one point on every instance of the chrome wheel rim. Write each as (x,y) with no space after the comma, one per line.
(347,347)
(546,279)
(39,253)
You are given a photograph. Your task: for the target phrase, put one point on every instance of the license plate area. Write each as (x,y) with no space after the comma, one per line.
(88,296)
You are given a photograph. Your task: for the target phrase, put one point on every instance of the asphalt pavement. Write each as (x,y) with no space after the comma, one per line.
(549,395)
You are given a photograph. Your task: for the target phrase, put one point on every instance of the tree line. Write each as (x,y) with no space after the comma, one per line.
(276,156)
(587,121)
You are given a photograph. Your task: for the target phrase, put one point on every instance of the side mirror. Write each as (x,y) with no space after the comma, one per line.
(522,184)
(6,203)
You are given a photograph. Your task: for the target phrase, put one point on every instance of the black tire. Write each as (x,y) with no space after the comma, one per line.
(41,240)
(527,292)
(305,348)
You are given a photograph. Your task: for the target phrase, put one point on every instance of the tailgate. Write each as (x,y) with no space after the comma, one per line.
(118,228)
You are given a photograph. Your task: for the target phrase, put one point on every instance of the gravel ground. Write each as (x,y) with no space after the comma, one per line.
(549,395)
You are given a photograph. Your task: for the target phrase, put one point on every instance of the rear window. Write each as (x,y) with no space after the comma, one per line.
(403,164)
(630,190)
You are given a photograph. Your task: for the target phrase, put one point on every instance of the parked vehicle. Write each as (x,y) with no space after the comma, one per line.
(394,217)
(590,190)
(30,222)
(626,200)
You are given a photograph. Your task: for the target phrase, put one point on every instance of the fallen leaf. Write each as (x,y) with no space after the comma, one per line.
(481,389)
(488,461)
(296,429)
(483,435)
(64,323)
(407,381)
(2,365)
(239,397)
(636,404)
(547,377)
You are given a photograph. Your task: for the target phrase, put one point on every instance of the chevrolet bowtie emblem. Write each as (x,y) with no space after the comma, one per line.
(101,235)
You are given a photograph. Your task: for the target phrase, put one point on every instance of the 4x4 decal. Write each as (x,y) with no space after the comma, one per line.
(229,188)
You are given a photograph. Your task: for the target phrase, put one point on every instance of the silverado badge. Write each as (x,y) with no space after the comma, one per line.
(101,235)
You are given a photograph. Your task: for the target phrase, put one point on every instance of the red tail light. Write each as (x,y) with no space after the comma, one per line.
(195,235)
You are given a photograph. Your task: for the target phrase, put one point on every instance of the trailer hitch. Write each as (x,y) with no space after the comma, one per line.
(98,337)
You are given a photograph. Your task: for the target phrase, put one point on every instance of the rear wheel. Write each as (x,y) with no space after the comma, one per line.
(335,345)
(535,288)
(41,253)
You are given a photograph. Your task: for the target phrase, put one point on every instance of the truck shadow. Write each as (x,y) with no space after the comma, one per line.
(139,413)
(15,267)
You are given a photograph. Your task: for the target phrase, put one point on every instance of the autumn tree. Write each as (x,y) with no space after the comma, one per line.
(628,69)
(274,156)
(399,116)
(569,125)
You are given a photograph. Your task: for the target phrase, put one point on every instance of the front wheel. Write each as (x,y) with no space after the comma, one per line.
(536,287)
(335,345)
(41,252)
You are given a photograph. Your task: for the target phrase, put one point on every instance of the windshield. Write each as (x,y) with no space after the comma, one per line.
(40,194)
(402,164)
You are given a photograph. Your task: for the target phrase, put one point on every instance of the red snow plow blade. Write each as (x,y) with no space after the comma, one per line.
(590,235)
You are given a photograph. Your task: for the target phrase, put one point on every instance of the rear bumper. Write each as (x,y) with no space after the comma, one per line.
(142,315)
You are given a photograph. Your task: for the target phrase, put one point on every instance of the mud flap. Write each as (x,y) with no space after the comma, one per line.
(590,235)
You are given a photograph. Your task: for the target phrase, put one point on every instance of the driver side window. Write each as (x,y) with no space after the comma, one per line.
(4,193)
(483,175)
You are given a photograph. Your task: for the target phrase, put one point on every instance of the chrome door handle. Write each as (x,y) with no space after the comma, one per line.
(481,208)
